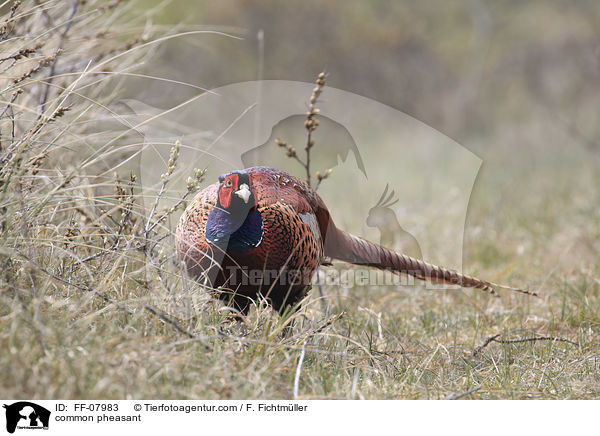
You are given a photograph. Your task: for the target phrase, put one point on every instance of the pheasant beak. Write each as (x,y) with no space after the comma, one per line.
(243,192)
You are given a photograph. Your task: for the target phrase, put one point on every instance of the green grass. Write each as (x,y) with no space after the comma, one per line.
(92,306)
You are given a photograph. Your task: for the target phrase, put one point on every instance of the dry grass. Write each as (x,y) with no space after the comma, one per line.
(93,305)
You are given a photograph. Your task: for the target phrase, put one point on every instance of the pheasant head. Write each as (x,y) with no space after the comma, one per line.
(235,191)
(235,222)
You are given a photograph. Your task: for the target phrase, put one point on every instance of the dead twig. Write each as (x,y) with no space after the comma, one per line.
(463,394)
(534,339)
(494,338)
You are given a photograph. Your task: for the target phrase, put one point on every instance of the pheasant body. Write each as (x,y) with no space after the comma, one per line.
(261,231)
(273,248)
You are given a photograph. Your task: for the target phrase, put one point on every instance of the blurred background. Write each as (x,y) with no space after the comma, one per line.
(467,68)
(516,83)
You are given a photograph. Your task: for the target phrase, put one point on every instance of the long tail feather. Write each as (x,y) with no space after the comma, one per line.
(353,249)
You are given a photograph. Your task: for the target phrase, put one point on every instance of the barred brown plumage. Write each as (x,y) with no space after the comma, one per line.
(261,231)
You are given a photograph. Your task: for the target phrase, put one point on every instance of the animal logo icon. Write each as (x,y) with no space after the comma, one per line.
(25,414)
(392,235)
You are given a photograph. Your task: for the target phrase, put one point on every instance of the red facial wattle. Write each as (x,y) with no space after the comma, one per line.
(225,197)
(229,185)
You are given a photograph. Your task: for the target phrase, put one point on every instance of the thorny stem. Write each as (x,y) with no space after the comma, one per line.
(311,123)
(147,227)
(307,166)
(174,155)
(173,208)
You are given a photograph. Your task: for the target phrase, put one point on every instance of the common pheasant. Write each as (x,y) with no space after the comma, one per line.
(263,232)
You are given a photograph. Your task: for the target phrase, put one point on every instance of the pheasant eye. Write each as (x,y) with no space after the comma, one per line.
(229,182)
